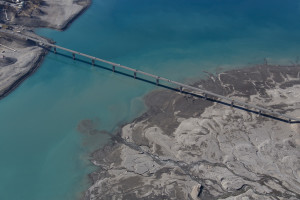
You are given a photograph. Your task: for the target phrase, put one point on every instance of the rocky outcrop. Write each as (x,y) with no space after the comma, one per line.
(185,147)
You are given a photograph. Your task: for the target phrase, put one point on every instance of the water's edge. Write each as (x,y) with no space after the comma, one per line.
(36,65)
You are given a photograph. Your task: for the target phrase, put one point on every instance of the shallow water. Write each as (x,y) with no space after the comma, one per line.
(43,156)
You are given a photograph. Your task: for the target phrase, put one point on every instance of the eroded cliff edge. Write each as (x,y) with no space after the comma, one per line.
(185,147)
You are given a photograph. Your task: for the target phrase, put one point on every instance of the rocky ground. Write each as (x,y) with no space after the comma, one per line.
(20,58)
(186,147)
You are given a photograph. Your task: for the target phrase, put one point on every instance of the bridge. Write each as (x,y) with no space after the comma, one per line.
(205,94)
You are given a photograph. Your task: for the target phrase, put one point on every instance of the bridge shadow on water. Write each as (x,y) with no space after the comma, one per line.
(172,88)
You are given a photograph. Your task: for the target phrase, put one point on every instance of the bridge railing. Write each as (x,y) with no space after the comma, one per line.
(205,93)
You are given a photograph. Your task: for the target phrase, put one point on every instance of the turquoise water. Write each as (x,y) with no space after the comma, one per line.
(43,156)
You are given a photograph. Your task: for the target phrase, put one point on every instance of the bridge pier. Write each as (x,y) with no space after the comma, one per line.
(212,96)
(93,62)
(181,89)
(134,75)
(259,112)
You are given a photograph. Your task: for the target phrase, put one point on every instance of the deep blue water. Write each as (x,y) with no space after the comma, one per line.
(43,156)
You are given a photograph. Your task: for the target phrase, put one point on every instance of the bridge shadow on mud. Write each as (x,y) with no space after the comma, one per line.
(211,99)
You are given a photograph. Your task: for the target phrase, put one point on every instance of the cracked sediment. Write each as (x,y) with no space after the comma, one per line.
(184,144)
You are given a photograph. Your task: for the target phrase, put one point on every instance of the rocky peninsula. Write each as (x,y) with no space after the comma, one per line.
(20,58)
(186,147)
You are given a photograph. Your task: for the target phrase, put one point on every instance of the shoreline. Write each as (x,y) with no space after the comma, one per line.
(41,56)
(72,19)
(147,98)
(32,70)
(117,139)
(133,141)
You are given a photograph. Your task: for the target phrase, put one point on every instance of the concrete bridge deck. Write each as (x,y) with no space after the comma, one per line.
(206,94)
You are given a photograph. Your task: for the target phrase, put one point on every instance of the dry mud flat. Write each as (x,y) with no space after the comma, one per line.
(189,148)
